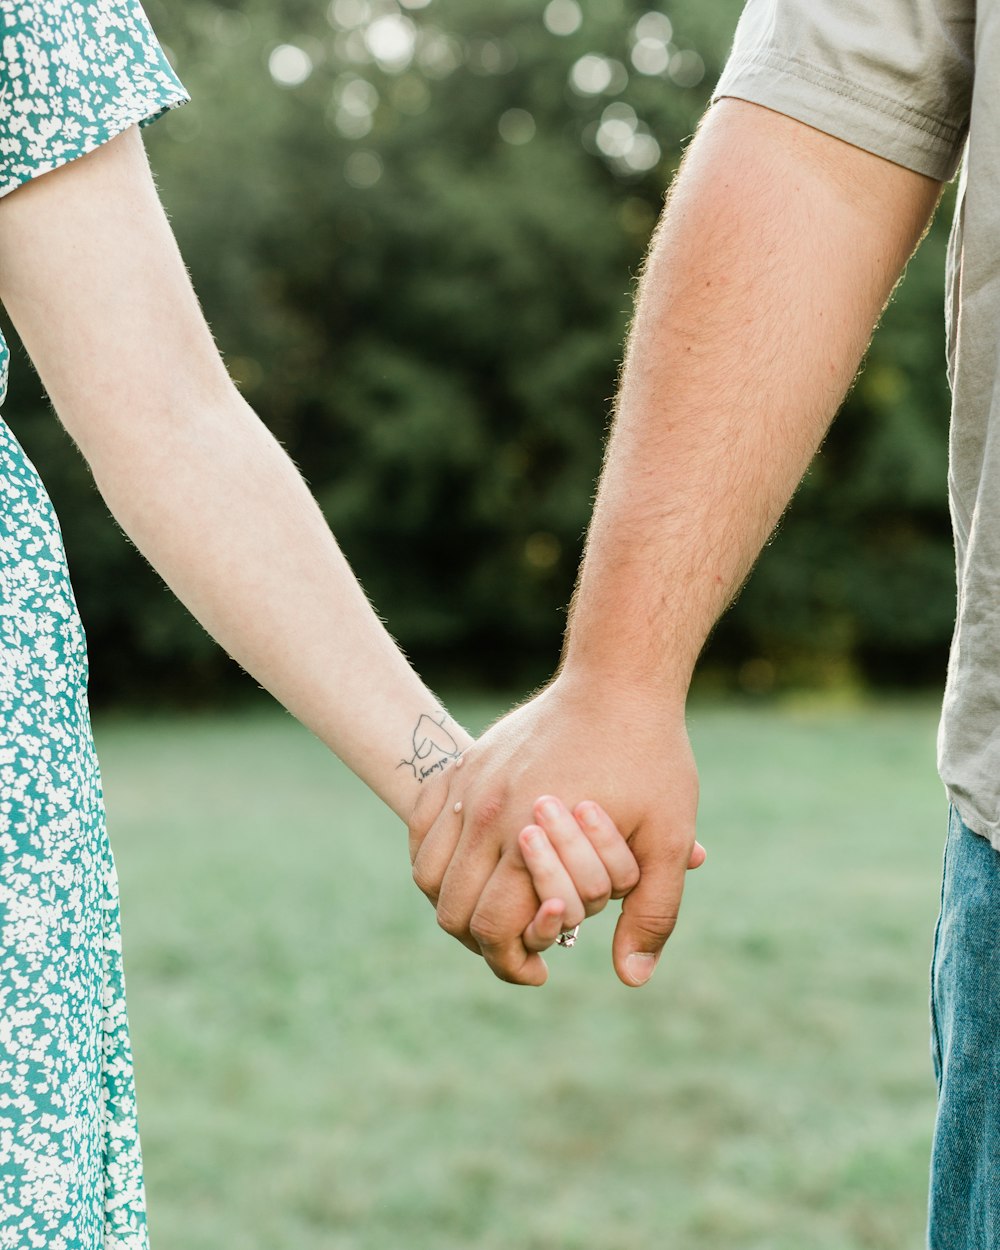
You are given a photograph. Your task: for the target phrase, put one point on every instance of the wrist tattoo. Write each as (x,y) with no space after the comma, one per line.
(433,747)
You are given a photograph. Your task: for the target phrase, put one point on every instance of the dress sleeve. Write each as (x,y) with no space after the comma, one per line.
(73,74)
(893,77)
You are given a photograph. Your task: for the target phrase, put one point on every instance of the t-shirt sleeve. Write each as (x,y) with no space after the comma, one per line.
(893,77)
(73,74)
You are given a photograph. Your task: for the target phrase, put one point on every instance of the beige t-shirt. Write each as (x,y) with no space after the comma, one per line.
(899,78)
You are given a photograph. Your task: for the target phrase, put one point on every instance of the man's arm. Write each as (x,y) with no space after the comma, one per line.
(775,256)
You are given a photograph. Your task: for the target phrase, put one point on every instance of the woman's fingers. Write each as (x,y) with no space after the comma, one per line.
(607,842)
(546,926)
(615,852)
(577,861)
(549,876)
(598,861)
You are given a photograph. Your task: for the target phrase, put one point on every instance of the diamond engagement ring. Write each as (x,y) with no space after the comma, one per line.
(568,938)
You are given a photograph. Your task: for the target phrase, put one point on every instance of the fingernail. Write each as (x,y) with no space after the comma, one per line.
(549,810)
(533,839)
(589,814)
(639,967)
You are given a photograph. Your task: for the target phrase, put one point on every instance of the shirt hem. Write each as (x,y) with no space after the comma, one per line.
(974,820)
(846,110)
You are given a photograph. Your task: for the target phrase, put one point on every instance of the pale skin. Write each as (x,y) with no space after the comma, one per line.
(93,280)
(770,267)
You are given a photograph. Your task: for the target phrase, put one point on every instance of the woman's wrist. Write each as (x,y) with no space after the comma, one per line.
(421,746)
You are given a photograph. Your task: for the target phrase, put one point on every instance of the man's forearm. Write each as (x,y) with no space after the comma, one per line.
(770,267)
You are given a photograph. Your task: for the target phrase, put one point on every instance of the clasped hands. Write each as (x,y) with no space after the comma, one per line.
(508,865)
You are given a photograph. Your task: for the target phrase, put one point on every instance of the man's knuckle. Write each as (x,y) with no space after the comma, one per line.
(485,812)
(509,971)
(424,813)
(654,924)
(451,922)
(485,929)
(425,880)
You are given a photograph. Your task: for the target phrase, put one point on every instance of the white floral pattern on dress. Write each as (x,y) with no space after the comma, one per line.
(72,75)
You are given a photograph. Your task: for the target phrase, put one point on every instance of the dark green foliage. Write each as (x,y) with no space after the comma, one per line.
(430,318)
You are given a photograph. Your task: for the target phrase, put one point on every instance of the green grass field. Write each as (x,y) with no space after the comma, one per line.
(319,1066)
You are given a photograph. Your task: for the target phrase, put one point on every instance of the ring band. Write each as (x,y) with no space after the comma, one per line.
(568,937)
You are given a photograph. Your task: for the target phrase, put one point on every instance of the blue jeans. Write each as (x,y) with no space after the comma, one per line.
(965,1019)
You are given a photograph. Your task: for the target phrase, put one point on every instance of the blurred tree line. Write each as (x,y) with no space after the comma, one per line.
(414,226)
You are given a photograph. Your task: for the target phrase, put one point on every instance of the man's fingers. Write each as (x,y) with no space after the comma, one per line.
(431,801)
(649,912)
(431,856)
(505,910)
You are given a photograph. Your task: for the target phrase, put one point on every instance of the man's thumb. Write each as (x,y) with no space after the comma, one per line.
(649,914)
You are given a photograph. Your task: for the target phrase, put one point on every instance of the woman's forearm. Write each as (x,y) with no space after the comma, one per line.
(220,511)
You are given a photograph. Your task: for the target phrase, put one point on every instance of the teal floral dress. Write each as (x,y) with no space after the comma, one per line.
(73,74)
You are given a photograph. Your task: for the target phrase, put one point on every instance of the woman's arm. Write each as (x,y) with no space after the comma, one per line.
(92,278)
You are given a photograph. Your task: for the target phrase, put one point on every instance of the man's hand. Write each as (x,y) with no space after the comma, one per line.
(624,750)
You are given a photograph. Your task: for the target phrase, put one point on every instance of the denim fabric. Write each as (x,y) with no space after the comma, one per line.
(965,1018)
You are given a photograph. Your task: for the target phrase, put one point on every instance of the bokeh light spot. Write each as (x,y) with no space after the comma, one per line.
(362,169)
(350,46)
(562,17)
(410,95)
(289,66)
(624,140)
(616,133)
(232,27)
(490,56)
(438,54)
(349,14)
(593,74)
(650,56)
(245,371)
(654,25)
(637,217)
(686,68)
(355,101)
(353,125)
(643,153)
(516,127)
(357,95)
(542,551)
(392,41)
